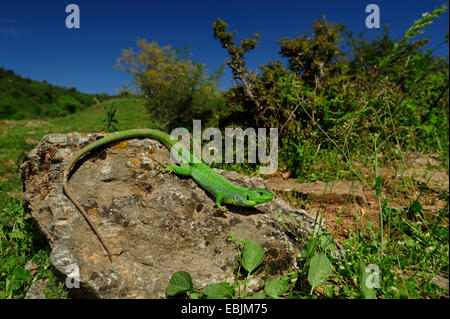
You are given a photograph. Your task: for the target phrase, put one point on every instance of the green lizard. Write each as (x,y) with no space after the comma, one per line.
(223,190)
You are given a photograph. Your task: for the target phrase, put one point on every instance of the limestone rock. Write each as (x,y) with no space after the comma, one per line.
(37,288)
(154,223)
(319,191)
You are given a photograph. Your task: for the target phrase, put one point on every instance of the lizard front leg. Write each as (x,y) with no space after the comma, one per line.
(183,170)
(219,203)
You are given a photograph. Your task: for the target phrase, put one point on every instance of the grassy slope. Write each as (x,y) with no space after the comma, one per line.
(20,241)
(23,135)
(26,98)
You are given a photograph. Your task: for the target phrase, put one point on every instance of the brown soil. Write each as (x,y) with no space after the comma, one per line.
(347,206)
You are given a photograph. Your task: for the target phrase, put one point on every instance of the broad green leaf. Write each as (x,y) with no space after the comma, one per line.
(179,283)
(220,290)
(196,295)
(252,256)
(319,270)
(327,241)
(309,248)
(377,186)
(277,287)
(366,283)
(258,296)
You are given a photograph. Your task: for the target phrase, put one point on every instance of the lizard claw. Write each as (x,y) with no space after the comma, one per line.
(222,208)
(167,170)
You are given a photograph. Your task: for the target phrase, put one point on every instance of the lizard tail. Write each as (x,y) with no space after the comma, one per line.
(86,216)
(115,137)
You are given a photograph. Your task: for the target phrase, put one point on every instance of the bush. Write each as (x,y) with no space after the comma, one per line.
(67,104)
(334,93)
(22,98)
(178,90)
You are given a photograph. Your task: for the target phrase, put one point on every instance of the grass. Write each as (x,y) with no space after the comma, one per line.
(24,253)
(409,247)
(19,137)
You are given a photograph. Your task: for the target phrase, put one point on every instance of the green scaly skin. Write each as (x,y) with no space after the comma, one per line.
(223,190)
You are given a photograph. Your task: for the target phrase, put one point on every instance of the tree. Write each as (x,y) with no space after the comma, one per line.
(177,89)
(314,56)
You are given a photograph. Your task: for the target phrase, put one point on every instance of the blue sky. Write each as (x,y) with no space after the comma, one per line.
(35,43)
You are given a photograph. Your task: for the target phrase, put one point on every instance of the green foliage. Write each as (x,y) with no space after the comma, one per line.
(337,91)
(220,290)
(67,104)
(319,269)
(402,263)
(367,291)
(314,56)
(366,54)
(180,282)
(419,248)
(334,95)
(21,244)
(110,118)
(252,256)
(277,286)
(362,267)
(178,90)
(402,49)
(23,98)
(242,76)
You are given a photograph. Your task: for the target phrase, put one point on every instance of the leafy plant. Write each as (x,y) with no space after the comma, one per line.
(180,282)
(20,243)
(23,98)
(319,269)
(250,259)
(177,89)
(252,256)
(335,94)
(110,118)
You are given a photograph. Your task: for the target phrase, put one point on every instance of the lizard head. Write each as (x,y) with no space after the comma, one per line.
(259,195)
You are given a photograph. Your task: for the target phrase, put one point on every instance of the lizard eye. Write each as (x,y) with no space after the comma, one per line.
(248,197)
(261,194)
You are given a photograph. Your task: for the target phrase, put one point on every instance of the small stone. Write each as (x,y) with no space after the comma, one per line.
(36,290)
(56,138)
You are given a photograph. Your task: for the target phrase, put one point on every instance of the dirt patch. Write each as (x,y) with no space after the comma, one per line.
(37,123)
(348,205)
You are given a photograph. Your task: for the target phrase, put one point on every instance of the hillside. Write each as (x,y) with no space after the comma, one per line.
(20,136)
(23,98)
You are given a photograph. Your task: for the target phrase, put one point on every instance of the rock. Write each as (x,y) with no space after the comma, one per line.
(154,224)
(31,141)
(425,169)
(441,282)
(37,288)
(338,192)
(436,180)
(416,159)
